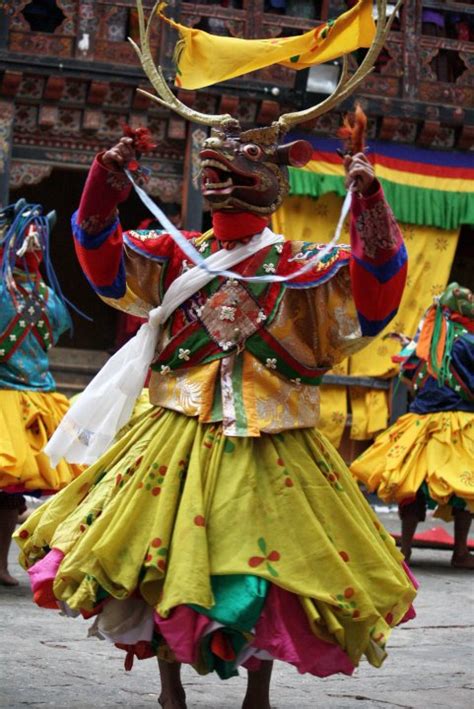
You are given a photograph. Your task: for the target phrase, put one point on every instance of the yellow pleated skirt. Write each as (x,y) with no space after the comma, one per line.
(175,503)
(28,419)
(436,449)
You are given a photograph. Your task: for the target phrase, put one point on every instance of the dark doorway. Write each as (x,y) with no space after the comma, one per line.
(462,270)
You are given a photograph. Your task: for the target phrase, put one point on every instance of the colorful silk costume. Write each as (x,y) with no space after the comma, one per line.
(236,363)
(427,456)
(221,528)
(32,318)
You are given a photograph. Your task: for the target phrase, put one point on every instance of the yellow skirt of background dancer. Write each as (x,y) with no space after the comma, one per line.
(432,449)
(28,419)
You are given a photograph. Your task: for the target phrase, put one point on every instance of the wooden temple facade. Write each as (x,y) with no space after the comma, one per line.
(68,80)
(67,83)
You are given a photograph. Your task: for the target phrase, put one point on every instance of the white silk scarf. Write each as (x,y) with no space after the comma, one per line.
(91,424)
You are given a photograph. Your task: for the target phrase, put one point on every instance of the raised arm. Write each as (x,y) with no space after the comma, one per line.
(123,269)
(378,260)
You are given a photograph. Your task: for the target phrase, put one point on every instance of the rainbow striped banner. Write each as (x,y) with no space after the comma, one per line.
(423,187)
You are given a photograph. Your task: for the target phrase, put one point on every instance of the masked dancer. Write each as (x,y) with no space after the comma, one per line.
(223,529)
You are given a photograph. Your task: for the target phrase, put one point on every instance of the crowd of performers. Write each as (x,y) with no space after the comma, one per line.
(219,527)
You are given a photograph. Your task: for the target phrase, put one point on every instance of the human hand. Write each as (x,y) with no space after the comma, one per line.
(118,157)
(359,173)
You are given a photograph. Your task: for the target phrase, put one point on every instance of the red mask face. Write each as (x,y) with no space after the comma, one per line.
(246,171)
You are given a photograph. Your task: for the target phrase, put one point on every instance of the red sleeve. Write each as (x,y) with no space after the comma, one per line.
(378,261)
(104,252)
(104,190)
(97,230)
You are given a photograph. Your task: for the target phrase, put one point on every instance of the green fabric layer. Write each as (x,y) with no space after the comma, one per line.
(456,502)
(309,184)
(238,600)
(411,205)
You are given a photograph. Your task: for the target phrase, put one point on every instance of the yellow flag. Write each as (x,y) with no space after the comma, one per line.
(203,59)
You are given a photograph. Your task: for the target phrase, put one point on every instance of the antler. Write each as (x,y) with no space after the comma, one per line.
(347,85)
(155,74)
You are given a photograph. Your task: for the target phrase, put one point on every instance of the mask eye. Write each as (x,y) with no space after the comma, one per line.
(254,152)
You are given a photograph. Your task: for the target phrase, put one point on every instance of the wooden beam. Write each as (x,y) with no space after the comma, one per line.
(54,88)
(269,112)
(97,92)
(229,104)
(11,83)
(187,97)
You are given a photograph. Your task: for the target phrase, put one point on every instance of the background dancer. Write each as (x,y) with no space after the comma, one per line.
(427,456)
(32,318)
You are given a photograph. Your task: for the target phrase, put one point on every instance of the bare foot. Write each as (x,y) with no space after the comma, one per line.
(255,704)
(407,554)
(464,561)
(176,701)
(7,579)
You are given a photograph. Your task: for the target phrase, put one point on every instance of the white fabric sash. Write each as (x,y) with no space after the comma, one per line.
(91,424)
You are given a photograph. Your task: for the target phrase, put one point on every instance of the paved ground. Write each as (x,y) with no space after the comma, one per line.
(48,661)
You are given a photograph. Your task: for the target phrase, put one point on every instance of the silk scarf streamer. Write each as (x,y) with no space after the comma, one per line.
(203,59)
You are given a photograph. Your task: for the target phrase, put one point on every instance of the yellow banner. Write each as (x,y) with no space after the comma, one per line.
(203,59)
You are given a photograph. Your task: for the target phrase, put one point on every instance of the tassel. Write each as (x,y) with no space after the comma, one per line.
(353,131)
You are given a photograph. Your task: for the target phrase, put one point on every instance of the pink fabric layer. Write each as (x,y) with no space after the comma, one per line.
(43,573)
(284,632)
(410,575)
(182,631)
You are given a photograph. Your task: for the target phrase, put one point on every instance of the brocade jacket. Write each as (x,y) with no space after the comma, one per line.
(31,322)
(249,355)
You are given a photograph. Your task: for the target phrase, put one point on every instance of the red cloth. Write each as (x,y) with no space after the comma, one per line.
(229,226)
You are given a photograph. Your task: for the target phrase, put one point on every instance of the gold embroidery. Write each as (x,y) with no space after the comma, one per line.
(378,229)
